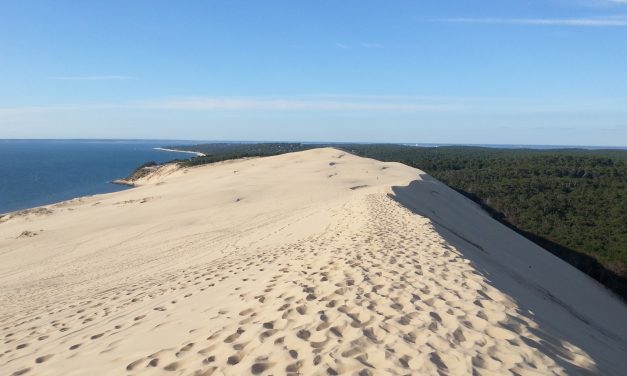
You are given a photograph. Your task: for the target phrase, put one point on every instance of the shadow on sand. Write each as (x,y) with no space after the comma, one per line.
(567,305)
(579,260)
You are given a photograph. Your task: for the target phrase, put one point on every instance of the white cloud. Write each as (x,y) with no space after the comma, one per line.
(93,78)
(614,21)
(341,45)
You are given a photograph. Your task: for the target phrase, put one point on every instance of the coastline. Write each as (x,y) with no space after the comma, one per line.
(126,182)
(123,182)
(198,154)
(51,169)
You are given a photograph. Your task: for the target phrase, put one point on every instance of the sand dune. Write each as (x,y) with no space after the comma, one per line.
(308,263)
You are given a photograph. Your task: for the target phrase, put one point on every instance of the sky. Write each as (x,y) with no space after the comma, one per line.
(476,72)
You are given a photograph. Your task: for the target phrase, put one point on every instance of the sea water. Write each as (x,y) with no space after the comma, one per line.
(41,172)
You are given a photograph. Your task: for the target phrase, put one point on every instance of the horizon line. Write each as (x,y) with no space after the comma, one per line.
(406,143)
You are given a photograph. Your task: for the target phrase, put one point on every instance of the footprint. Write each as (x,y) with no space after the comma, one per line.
(435,316)
(187,347)
(258,368)
(294,367)
(267,334)
(303,334)
(246,312)
(435,359)
(336,330)
(352,352)
(133,365)
(44,358)
(172,366)
(234,359)
(234,336)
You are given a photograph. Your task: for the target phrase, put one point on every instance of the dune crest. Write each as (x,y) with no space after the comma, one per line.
(316,262)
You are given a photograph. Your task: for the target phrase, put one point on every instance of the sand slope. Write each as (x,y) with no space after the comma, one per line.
(317,262)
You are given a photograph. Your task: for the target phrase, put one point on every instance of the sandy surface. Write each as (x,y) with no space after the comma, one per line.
(182,151)
(307,263)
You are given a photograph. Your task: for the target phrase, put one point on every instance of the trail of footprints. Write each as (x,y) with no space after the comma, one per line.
(382,294)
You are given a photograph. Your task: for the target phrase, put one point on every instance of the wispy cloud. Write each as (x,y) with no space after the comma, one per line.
(613,21)
(371,97)
(61,108)
(93,78)
(243,104)
(341,45)
(292,104)
(371,45)
(334,103)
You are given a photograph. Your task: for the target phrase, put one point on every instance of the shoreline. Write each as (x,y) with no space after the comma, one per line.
(198,154)
(122,182)
(50,189)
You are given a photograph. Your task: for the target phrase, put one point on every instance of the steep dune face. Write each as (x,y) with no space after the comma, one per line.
(317,262)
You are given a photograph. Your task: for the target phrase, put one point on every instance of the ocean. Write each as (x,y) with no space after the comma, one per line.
(41,172)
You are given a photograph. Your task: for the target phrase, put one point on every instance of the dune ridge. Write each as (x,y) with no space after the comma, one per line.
(316,262)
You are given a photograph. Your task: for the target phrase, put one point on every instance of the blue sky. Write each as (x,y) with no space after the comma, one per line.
(516,72)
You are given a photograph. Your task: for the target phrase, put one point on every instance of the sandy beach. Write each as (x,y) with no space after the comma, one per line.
(198,154)
(310,263)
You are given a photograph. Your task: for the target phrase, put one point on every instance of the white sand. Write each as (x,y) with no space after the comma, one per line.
(276,266)
(199,154)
